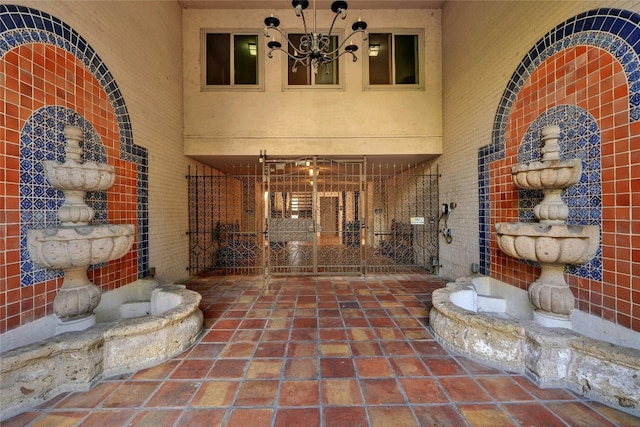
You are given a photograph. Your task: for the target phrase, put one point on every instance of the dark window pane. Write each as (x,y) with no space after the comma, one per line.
(218,58)
(303,74)
(380,65)
(406,59)
(328,75)
(245,59)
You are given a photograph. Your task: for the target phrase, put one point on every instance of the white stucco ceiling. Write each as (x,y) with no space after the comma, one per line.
(320,4)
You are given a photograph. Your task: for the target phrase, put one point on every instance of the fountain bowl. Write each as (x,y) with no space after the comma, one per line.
(139,325)
(547,174)
(548,243)
(87,176)
(596,358)
(78,246)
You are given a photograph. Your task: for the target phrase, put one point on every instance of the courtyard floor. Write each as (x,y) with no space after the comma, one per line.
(316,351)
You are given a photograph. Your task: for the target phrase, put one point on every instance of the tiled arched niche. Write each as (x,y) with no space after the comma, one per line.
(583,75)
(52,77)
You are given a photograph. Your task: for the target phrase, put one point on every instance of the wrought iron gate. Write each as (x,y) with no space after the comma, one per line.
(225,221)
(402,218)
(314,219)
(313,216)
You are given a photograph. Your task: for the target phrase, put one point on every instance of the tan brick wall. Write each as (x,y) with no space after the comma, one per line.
(483,43)
(141,44)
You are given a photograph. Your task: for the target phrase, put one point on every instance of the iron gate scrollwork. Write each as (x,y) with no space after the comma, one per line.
(314,216)
(313,209)
(403,213)
(225,227)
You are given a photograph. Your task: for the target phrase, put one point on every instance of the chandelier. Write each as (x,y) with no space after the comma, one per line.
(314,48)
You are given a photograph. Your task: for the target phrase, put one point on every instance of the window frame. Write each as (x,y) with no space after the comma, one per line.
(395,86)
(259,86)
(313,87)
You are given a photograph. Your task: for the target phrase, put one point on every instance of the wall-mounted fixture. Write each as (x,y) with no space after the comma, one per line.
(315,48)
(475,267)
(434,262)
(446,211)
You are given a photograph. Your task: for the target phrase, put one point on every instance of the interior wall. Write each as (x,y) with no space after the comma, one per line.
(479,64)
(130,92)
(319,121)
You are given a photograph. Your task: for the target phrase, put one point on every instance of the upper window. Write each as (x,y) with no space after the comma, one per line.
(231,60)
(394,60)
(327,76)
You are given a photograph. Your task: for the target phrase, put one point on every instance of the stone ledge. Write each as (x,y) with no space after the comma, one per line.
(76,361)
(550,357)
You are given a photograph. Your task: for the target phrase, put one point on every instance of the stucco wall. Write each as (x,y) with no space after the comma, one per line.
(323,122)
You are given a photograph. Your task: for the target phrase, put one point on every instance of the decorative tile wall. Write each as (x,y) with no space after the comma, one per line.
(52,77)
(584,76)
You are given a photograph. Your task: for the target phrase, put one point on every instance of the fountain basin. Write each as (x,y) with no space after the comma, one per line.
(547,174)
(576,359)
(75,361)
(548,243)
(79,246)
(87,176)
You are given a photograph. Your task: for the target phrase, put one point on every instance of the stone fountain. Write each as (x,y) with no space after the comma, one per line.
(76,243)
(531,332)
(551,241)
(135,326)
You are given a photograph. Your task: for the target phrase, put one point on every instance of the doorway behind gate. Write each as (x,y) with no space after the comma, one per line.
(313,216)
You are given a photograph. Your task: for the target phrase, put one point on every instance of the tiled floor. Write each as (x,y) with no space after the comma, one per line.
(319,352)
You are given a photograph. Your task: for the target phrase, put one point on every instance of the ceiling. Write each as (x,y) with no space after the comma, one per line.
(285,4)
(250,165)
(244,164)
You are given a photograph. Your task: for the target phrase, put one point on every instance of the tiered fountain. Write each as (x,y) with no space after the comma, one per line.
(135,326)
(76,244)
(531,332)
(550,242)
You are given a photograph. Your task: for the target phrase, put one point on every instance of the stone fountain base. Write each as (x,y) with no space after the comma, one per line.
(549,321)
(76,361)
(550,357)
(75,325)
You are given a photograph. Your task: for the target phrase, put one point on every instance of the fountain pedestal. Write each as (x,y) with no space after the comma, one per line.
(550,242)
(76,244)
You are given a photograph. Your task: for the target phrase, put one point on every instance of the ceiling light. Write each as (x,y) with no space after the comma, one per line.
(315,48)
(374,49)
(253,49)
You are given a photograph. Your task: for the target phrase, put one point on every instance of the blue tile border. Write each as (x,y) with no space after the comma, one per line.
(614,30)
(23,25)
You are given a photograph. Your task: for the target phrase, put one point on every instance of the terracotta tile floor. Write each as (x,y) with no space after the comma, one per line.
(319,352)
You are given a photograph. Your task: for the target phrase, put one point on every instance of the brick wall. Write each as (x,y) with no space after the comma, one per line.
(88,63)
(498,92)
